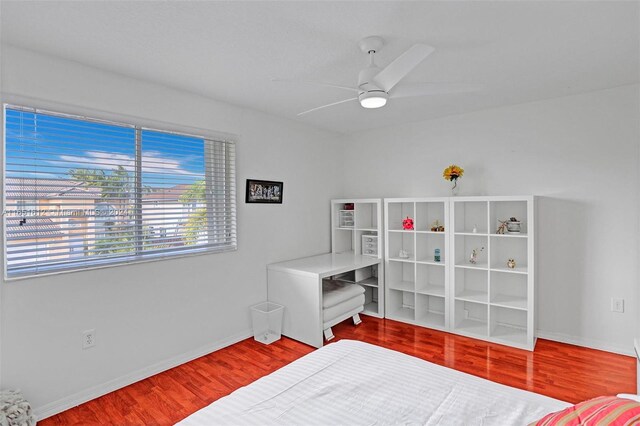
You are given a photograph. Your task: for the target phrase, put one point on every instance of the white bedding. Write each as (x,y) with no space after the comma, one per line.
(355,383)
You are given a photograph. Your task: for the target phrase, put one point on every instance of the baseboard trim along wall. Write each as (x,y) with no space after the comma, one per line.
(587,343)
(81,397)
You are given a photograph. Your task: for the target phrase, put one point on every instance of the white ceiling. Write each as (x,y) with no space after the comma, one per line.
(230,51)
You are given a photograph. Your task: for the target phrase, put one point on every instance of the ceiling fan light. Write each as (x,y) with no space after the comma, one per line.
(373,99)
(375,102)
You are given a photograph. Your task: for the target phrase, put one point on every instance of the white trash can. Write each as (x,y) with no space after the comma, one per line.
(267,322)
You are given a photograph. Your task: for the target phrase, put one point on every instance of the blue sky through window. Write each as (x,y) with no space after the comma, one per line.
(46,146)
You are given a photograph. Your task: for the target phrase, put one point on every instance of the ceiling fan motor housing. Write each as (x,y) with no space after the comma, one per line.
(371,96)
(365,78)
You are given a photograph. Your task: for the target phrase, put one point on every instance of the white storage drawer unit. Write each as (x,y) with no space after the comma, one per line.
(370,245)
(345,219)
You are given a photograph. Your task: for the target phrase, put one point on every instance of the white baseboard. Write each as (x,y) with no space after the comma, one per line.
(93,392)
(588,343)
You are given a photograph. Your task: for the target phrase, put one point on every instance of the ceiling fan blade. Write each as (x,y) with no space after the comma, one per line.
(401,66)
(325,106)
(318,83)
(425,89)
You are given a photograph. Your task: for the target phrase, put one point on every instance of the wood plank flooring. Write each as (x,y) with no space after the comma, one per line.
(566,372)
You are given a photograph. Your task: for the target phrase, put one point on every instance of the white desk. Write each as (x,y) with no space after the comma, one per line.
(297,284)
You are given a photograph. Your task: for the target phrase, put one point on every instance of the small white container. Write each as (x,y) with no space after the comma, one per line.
(267,322)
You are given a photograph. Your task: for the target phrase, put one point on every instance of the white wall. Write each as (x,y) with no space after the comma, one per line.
(579,153)
(148,316)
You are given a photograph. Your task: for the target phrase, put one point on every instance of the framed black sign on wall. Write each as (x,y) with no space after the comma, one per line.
(263,191)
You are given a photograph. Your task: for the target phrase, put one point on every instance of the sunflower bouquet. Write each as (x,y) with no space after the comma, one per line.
(453,173)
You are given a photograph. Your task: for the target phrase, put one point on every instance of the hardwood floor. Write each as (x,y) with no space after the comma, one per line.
(566,372)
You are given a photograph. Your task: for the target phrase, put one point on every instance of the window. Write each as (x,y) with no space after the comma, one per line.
(81,193)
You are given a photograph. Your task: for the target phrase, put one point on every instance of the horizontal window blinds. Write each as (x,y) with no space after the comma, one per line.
(81,193)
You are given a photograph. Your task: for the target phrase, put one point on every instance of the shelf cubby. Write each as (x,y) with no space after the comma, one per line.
(371,308)
(430,280)
(401,305)
(346,219)
(366,216)
(503,249)
(471,318)
(471,285)
(427,212)
(364,276)
(426,244)
(401,241)
(367,243)
(369,280)
(343,240)
(464,244)
(509,290)
(509,325)
(401,276)
(397,212)
(371,305)
(469,215)
(506,209)
(430,311)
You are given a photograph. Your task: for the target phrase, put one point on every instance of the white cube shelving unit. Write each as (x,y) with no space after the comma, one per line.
(417,285)
(359,231)
(486,299)
(490,299)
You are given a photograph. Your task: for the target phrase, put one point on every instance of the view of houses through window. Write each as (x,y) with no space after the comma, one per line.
(82,192)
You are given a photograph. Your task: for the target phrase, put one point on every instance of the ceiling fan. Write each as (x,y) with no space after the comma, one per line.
(377,85)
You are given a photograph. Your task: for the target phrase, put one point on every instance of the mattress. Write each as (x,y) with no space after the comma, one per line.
(356,383)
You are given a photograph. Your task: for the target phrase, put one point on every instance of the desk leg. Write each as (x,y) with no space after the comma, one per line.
(302,299)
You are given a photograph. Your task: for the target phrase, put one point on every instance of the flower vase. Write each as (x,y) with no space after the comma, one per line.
(455,188)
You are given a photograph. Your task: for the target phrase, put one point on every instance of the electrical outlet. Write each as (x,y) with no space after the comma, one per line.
(617,305)
(88,338)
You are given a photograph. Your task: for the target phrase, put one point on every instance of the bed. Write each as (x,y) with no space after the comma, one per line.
(356,383)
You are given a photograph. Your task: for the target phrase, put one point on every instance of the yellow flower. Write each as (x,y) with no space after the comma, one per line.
(453,172)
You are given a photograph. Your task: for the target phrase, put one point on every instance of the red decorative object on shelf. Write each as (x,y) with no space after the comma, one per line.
(407,224)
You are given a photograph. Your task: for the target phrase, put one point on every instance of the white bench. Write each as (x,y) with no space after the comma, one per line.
(340,301)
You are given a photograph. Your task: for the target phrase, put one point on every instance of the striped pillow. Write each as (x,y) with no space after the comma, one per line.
(601,411)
